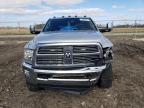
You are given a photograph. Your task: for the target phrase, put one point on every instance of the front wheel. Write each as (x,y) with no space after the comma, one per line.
(105,80)
(32,87)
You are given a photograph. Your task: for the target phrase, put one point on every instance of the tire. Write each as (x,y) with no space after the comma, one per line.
(32,87)
(105,80)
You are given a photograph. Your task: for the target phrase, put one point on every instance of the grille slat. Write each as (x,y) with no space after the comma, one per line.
(85,49)
(49,60)
(54,55)
(85,59)
(50,50)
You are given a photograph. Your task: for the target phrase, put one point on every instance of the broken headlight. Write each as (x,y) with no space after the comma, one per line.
(108,53)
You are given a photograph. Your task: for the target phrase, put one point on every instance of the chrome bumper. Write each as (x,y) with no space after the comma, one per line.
(31,76)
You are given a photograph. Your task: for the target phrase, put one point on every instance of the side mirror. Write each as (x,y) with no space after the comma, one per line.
(33,30)
(105,29)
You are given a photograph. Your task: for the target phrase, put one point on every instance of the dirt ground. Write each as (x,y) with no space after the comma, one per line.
(127,90)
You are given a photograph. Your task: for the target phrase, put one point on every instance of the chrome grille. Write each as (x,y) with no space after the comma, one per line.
(79,59)
(44,60)
(50,50)
(56,55)
(85,49)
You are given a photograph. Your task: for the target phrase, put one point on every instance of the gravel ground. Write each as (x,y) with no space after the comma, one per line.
(127,90)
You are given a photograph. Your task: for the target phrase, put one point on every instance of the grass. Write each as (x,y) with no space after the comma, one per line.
(128,30)
(14,31)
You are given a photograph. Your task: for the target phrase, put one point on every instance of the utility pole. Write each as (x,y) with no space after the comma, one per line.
(135,29)
(19,26)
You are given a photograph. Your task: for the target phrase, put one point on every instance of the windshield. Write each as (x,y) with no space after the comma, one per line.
(69,24)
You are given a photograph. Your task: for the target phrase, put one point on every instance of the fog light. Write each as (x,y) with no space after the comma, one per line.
(27,73)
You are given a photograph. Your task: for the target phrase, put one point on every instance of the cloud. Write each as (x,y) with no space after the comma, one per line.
(120,17)
(118,6)
(79,12)
(125,17)
(137,10)
(46,11)
(22,7)
(18,11)
(19,3)
(62,2)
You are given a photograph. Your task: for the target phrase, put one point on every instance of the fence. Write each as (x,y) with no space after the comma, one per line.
(125,26)
(119,26)
(12,27)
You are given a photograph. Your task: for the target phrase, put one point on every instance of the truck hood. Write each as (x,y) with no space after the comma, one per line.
(72,37)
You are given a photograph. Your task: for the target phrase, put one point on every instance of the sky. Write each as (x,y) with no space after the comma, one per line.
(41,10)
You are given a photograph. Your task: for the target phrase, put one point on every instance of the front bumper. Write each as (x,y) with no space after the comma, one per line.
(47,77)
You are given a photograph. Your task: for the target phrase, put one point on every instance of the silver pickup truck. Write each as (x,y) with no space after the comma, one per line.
(69,52)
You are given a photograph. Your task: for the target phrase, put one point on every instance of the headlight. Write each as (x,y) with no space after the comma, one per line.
(108,53)
(28,55)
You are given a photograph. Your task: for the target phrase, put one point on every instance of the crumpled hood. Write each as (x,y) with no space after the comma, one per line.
(72,37)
